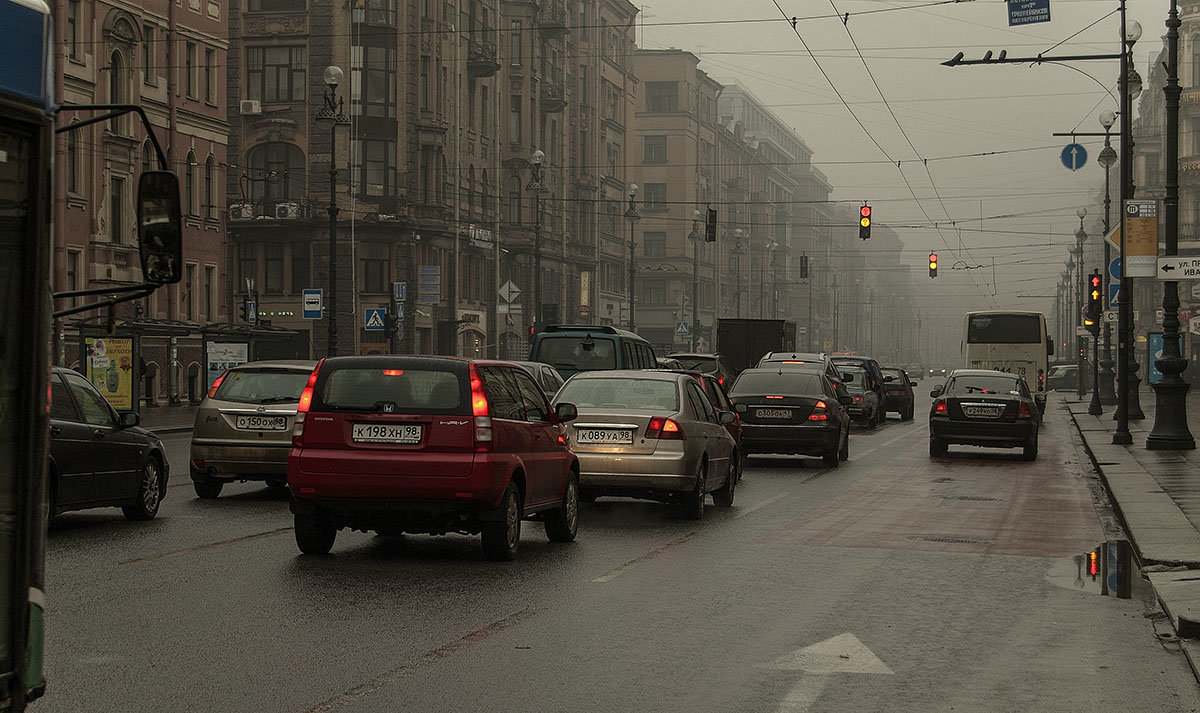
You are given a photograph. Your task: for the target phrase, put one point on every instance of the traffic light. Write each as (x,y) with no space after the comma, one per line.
(932,265)
(803,267)
(1082,344)
(1095,291)
(864,222)
(244,311)
(710,226)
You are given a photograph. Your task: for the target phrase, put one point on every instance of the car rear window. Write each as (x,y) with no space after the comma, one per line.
(964,385)
(385,390)
(261,386)
(580,353)
(858,384)
(624,393)
(774,382)
(705,364)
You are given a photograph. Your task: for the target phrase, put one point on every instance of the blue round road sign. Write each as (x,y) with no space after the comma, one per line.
(1074,156)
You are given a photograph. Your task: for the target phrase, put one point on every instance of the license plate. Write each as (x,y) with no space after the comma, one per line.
(895,393)
(604,435)
(261,423)
(775,413)
(386,433)
(982,411)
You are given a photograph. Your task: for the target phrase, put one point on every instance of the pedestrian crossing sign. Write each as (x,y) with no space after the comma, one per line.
(373,319)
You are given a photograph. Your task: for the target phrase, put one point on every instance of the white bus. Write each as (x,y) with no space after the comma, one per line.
(1015,342)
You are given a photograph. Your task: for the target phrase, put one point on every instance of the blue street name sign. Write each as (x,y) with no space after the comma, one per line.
(1073,155)
(399,291)
(1027,12)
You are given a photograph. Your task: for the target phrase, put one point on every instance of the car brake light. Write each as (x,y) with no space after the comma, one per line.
(774,397)
(306,397)
(939,406)
(820,412)
(857,399)
(664,429)
(721,381)
(217,384)
(1024,411)
(479,408)
(393,372)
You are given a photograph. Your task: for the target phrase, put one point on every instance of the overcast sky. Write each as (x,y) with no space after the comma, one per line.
(938,112)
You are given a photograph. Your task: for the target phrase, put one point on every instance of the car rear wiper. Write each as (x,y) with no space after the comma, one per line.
(279,399)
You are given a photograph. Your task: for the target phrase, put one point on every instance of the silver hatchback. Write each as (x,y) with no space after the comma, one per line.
(243,428)
(650,435)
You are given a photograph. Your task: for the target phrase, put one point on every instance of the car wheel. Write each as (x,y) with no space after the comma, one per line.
(845,453)
(149,494)
(724,496)
(314,534)
(278,486)
(502,537)
(834,457)
(208,489)
(937,448)
(881,416)
(693,503)
(1029,451)
(563,522)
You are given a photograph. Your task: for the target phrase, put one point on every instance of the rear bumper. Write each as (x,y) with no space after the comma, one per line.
(225,460)
(994,434)
(899,403)
(803,440)
(655,472)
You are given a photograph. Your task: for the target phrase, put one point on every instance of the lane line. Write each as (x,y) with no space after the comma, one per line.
(755,508)
(393,676)
(209,546)
(614,573)
(885,444)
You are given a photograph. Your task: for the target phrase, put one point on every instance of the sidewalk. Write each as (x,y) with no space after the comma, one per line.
(1157,494)
(168,419)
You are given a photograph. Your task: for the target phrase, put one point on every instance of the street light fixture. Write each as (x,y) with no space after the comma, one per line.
(696,236)
(1131,86)
(332,114)
(537,188)
(1107,157)
(632,216)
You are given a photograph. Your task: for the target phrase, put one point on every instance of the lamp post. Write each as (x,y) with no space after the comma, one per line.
(695,236)
(1125,364)
(632,216)
(334,115)
(1170,430)
(1107,157)
(737,254)
(1094,407)
(1077,288)
(768,247)
(536,187)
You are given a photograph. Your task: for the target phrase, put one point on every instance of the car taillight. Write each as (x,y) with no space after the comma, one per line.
(774,397)
(306,397)
(664,429)
(939,406)
(820,412)
(1024,411)
(721,381)
(857,399)
(217,384)
(479,408)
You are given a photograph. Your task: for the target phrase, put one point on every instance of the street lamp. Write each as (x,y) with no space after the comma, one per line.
(1107,157)
(695,236)
(737,254)
(1093,406)
(537,188)
(333,114)
(632,216)
(1131,86)
(1170,430)
(1077,289)
(768,247)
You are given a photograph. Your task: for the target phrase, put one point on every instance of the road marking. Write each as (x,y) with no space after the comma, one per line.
(210,546)
(885,444)
(614,573)
(743,512)
(388,678)
(843,653)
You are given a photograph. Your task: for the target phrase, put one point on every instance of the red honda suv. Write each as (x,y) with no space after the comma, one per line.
(430,445)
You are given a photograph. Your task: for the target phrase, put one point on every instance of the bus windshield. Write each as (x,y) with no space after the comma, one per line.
(1004,329)
(578,353)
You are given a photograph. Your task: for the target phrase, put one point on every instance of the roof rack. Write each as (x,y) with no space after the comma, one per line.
(602,328)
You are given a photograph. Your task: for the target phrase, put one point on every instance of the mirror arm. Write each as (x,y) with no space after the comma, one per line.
(112,111)
(138,292)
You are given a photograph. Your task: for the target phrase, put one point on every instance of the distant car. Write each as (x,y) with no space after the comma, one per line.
(652,435)
(572,348)
(669,363)
(99,458)
(430,445)
(936,373)
(714,364)
(865,408)
(1065,377)
(874,381)
(984,408)
(899,390)
(792,411)
(545,375)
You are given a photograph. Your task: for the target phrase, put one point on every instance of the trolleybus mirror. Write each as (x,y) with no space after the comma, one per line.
(160,232)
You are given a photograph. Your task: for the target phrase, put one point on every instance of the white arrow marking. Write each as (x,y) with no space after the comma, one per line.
(843,653)
(1074,159)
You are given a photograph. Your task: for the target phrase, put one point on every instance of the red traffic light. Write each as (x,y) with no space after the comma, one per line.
(865,211)
(1095,282)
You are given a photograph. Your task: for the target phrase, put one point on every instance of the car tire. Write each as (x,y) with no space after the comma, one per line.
(150,492)
(208,489)
(562,523)
(723,497)
(834,457)
(845,452)
(314,534)
(937,448)
(881,417)
(693,503)
(908,413)
(502,537)
(1030,450)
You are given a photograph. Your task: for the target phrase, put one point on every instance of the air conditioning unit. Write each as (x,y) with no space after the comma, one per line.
(251,107)
(287,211)
(241,211)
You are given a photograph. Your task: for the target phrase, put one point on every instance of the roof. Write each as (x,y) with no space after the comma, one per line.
(982,372)
(567,329)
(654,374)
(297,364)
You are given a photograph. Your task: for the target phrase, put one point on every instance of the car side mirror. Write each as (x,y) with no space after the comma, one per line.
(847,378)
(726,417)
(740,408)
(937,391)
(845,400)
(886,379)
(129,419)
(566,412)
(160,234)
(912,383)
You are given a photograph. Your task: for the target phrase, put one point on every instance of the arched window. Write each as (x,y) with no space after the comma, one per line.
(210,198)
(189,185)
(149,160)
(275,174)
(116,90)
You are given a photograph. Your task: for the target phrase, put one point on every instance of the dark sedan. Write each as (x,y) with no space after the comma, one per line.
(97,458)
(790,411)
(984,408)
(898,388)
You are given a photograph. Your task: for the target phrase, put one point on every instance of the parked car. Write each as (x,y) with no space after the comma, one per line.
(864,408)
(244,425)
(792,411)
(652,435)
(713,364)
(99,458)
(984,408)
(873,382)
(545,375)
(572,348)
(430,445)
(1065,377)
(898,388)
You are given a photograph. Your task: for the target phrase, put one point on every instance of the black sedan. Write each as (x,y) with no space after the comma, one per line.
(977,407)
(790,411)
(97,458)
(898,388)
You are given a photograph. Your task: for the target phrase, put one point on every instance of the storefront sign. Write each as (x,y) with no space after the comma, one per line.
(110,369)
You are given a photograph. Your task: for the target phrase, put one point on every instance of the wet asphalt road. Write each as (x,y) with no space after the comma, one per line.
(920,586)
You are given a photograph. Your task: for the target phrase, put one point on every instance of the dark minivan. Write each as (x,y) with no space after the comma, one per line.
(572,348)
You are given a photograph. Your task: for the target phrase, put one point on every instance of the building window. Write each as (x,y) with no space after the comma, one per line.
(381,13)
(275,74)
(149,158)
(276,5)
(662,97)
(1195,61)
(116,90)
(656,149)
(654,292)
(210,76)
(425,177)
(375,172)
(301,268)
(73,27)
(483,109)
(656,196)
(74,257)
(514,119)
(189,185)
(247,265)
(72,161)
(654,243)
(275,174)
(149,55)
(514,200)
(189,291)
(116,212)
(210,293)
(426,99)
(515,43)
(210,192)
(191,59)
(373,81)
(273,262)
(376,268)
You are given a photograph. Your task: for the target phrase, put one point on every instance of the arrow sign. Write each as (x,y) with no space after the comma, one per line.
(843,653)
(1074,156)
(1178,268)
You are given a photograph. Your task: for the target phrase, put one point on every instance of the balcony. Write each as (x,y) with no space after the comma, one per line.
(553,21)
(481,59)
(1189,170)
(552,98)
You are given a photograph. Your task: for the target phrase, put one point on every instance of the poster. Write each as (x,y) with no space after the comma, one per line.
(225,355)
(110,369)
